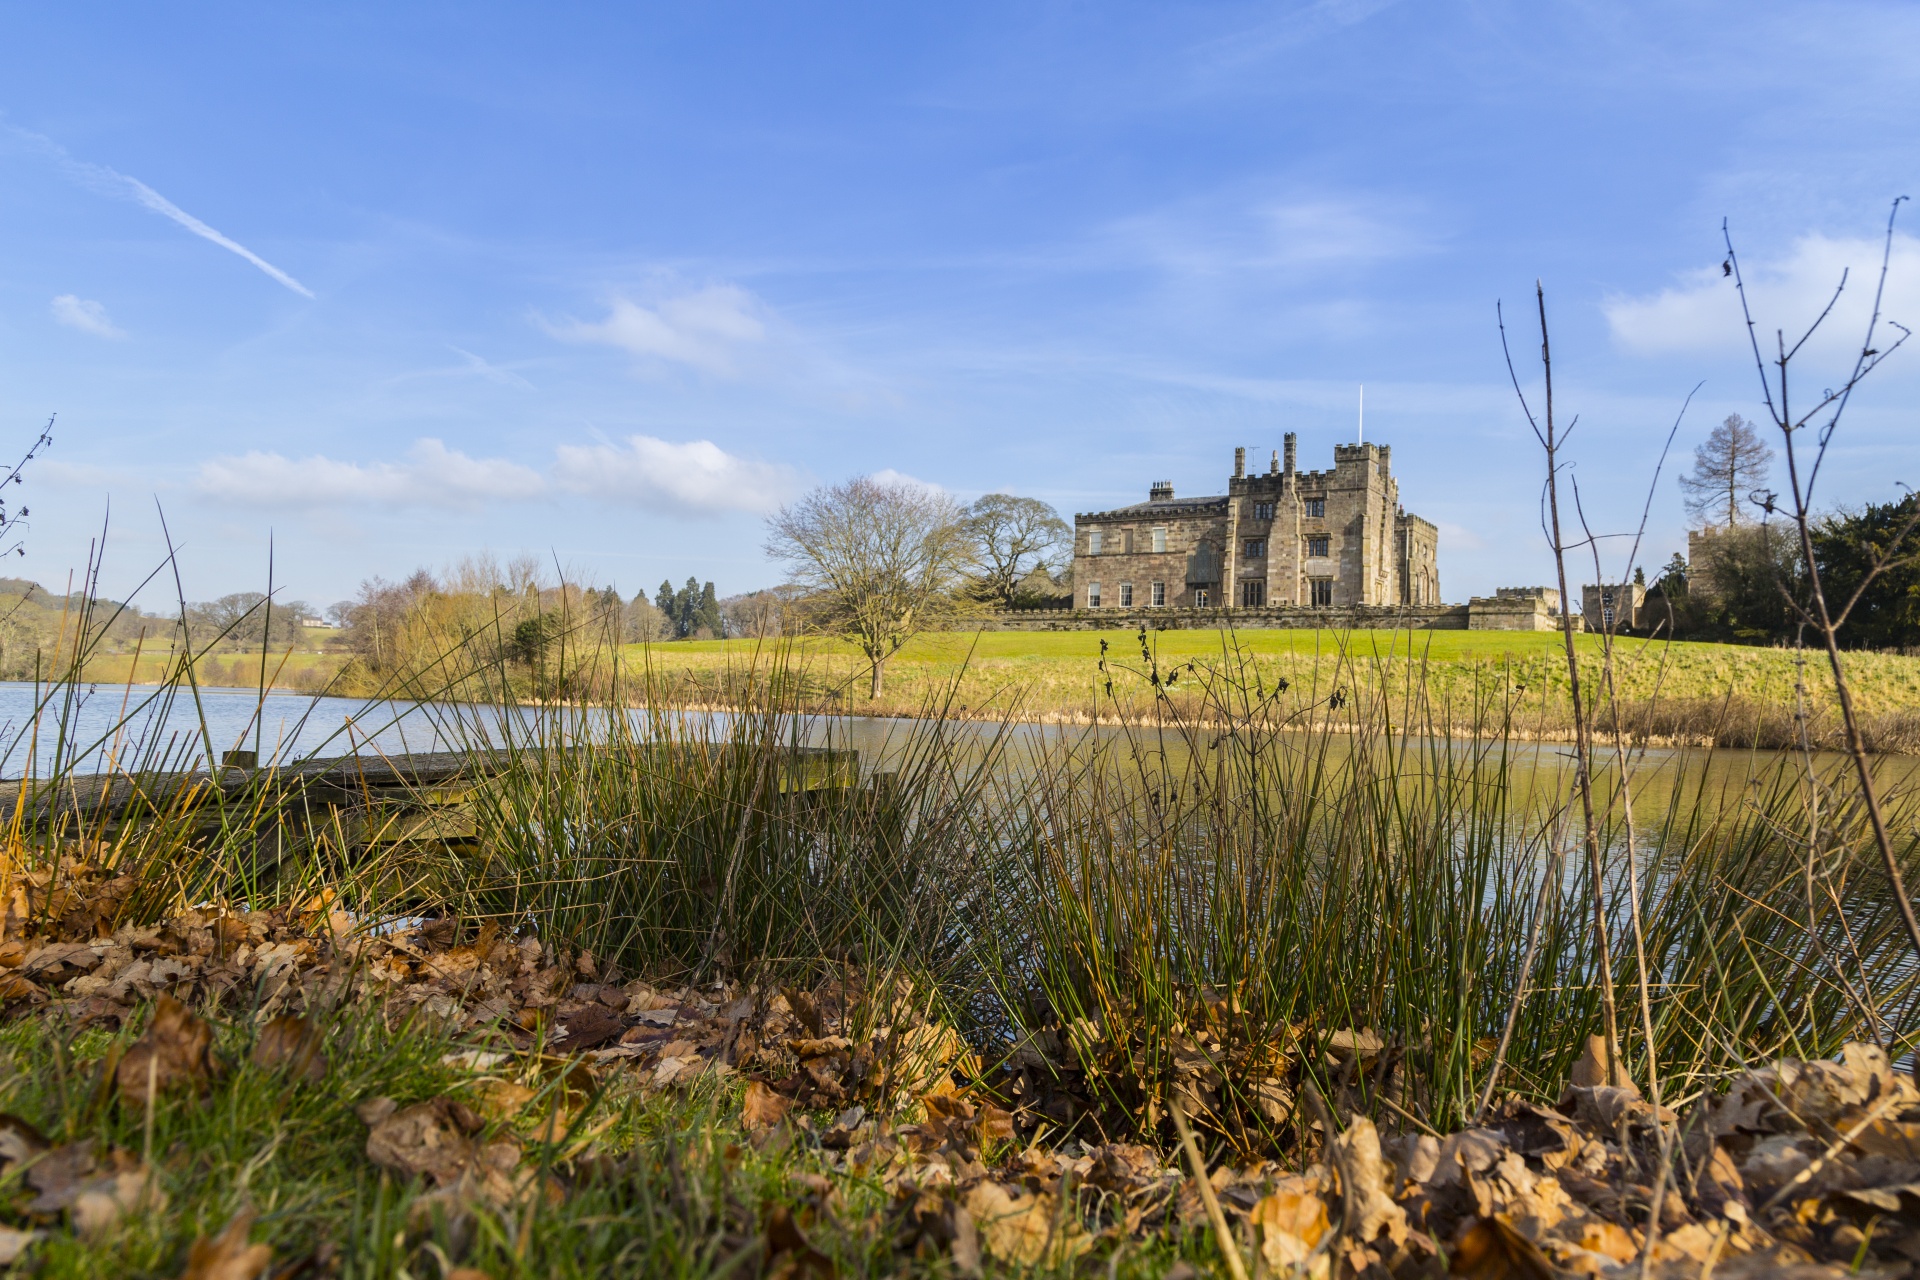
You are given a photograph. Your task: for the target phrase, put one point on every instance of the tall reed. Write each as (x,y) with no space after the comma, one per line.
(1267,886)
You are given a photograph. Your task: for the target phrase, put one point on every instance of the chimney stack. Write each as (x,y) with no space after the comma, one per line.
(1161,491)
(1291,438)
(1240,464)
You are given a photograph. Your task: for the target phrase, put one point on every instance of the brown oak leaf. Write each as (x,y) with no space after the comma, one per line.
(293,1043)
(761,1107)
(228,1256)
(175,1053)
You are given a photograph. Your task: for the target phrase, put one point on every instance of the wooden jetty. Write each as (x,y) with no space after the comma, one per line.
(362,801)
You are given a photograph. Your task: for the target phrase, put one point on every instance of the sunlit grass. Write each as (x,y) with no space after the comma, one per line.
(1685,690)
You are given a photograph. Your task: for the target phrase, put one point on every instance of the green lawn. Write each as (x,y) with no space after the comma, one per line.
(1438,646)
(1058,674)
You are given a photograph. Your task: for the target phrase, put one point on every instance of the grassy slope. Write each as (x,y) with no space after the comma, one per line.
(1059,670)
(1056,674)
(300,670)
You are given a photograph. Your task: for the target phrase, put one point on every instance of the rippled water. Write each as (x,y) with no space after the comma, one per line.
(106,726)
(94,727)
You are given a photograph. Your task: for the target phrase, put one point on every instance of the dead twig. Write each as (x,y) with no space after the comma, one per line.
(1236,1266)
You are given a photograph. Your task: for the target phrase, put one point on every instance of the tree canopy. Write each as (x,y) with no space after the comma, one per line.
(1011,537)
(1872,552)
(877,560)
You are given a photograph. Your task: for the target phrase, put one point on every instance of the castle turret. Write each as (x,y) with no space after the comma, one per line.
(1291,440)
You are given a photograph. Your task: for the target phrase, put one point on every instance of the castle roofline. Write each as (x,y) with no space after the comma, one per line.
(1164,506)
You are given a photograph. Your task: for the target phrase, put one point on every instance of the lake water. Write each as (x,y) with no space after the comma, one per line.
(108,726)
(96,727)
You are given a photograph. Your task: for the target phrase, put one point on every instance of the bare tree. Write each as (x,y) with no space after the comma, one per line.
(1818,614)
(759,615)
(1730,466)
(877,560)
(1012,537)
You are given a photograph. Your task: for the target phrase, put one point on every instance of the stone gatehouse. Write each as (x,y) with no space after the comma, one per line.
(1334,539)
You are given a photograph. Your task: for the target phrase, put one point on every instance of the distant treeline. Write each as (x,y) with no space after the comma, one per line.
(38,625)
(1742,578)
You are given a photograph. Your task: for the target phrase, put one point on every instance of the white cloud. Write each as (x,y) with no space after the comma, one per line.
(431,476)
(708,329)
(698,476)
(1702,312)
(888,476)
(85,315)
(1232,233)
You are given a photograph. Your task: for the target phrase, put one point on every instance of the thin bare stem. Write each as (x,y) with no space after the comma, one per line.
(1551,443)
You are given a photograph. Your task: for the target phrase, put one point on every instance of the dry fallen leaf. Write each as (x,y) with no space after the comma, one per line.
(1591,1070)
(429,1139)
(761,1107)
(94,1195)
(1292,1220)
(1019,1229)
(1488,1249)
(292,1042)
(13,1243)
(1367,1210)
(228,1256)
(176,1052)
(992,1125)
(19,1140)
(789,1254)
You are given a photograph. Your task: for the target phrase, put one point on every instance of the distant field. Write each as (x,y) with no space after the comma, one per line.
(949,646)
(304,671)
(1463,675)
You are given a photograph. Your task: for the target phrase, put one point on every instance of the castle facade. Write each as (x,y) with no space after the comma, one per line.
(1318,539)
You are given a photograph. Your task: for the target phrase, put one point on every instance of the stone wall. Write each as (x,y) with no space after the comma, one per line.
(1491,614)
(1612,606)
(1364,617)
(1517,609)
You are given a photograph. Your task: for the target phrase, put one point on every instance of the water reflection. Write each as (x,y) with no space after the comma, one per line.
(91,728)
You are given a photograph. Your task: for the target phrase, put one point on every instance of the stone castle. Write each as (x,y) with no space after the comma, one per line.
(1334,539)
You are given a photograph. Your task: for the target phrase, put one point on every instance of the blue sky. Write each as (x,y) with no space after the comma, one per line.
(401,282)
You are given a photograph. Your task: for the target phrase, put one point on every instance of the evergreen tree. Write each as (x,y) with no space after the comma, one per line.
(686,607)
(1673,578)
(1874,546)
(707,613)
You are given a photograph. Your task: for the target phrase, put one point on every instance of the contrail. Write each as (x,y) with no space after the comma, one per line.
(113,182)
